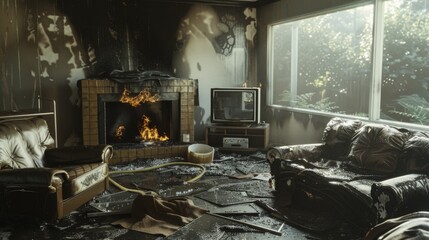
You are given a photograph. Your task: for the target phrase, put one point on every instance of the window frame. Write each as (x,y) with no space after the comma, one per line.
(374,108)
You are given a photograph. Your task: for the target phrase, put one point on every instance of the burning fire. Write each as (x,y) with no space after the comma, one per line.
(142,97)
(146,133)
(150,134)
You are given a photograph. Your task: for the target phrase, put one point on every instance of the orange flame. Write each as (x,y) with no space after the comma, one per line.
(120,131)
(150,134)
(142,97)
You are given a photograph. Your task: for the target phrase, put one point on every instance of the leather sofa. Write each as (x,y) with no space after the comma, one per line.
(368,172)
(42,182)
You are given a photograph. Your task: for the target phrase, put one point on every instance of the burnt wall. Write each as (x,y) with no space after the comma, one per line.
(46,46)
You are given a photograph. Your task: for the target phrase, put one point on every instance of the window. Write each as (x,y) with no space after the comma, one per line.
(405,69)
(336,64)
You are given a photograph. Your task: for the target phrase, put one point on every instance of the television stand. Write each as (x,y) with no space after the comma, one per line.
(238,138)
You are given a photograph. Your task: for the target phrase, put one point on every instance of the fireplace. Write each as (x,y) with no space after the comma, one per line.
(172,115)
(146,123)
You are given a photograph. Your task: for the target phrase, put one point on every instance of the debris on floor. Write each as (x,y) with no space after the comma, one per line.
(238,208)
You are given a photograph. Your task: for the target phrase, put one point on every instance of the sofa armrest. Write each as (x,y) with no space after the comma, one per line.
(31,177)
(293,152)
(75,155)
(400,195)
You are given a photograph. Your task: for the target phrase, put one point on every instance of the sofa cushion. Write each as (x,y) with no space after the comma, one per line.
(377,148)
(23,143)
(340,130)
(416,153)
(337,137)
(13,153)
(307,182)
(37,137)
(73,155)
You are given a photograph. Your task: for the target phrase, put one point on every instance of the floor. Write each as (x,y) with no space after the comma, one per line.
(234,189)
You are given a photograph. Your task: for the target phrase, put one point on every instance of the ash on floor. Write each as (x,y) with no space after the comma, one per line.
(234,186)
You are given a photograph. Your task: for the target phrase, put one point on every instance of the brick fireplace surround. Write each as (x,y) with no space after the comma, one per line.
(91,88)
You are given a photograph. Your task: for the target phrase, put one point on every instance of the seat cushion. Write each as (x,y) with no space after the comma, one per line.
(82,177)
(74,155)
(349,192)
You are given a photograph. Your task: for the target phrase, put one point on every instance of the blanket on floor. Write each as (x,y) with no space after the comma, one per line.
(154,215)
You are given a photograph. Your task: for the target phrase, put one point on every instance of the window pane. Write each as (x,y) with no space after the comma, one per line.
(324,63)
(405,76)
(281,64)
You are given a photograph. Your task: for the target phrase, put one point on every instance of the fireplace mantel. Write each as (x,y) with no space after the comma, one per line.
(91,88)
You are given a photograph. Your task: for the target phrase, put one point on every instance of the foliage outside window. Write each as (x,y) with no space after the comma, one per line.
(326,63)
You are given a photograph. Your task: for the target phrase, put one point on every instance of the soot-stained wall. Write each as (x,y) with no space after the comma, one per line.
(47,46)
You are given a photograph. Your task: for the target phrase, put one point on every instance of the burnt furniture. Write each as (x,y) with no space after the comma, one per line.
(41,181)
(368,172)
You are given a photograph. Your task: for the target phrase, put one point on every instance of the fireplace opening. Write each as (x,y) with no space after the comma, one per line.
(147,123)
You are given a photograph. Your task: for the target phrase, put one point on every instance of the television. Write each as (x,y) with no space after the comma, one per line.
(235,105)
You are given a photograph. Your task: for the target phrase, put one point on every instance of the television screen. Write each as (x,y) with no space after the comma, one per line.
(235,105)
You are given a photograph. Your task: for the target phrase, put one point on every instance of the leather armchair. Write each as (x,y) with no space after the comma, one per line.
(43,182)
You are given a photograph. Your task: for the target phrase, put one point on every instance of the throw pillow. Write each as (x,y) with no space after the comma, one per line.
(340,130)
(416,153)
(376,148)
(337,137)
